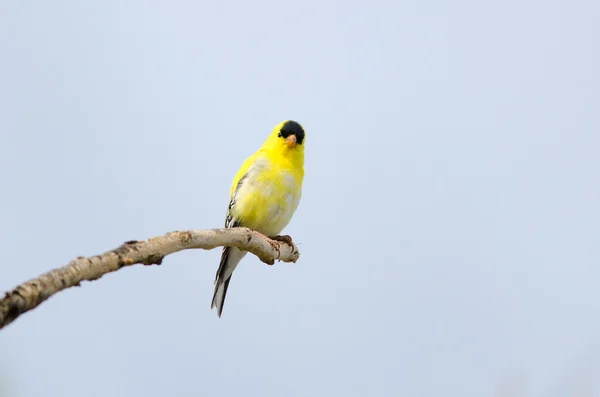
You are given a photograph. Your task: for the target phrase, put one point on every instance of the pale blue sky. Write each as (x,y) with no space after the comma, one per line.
(449,227)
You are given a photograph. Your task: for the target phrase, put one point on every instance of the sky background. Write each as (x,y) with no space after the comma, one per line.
(450,219)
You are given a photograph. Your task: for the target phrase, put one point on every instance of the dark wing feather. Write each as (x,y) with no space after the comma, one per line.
(230,222)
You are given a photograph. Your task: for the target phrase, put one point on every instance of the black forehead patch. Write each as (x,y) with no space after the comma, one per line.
(291,127)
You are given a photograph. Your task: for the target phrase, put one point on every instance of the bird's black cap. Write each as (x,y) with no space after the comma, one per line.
(291,127)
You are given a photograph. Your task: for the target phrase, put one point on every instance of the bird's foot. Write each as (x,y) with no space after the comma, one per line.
(285,239)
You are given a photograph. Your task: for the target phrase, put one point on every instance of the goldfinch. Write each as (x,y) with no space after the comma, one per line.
(264,195)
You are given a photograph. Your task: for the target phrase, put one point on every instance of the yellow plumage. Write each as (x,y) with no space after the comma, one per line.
(264,195)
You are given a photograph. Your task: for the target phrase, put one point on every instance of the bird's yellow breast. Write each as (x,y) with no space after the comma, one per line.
(268,196)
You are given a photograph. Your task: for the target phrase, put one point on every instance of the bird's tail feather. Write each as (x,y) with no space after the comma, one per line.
(230,258)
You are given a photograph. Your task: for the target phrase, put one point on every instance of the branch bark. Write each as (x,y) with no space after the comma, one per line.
(32,293)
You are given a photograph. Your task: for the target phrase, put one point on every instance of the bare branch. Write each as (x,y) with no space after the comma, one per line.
(31,293)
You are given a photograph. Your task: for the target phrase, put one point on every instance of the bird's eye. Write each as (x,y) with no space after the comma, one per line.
(279,135)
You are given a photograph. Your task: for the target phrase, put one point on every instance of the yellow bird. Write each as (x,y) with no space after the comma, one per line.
(264,195)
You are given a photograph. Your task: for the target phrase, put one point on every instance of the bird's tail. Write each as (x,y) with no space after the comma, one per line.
(230,258)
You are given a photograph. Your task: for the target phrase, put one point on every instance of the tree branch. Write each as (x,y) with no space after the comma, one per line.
(32,293)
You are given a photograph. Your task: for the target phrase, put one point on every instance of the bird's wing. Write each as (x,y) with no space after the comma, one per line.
(230,256)
(242,173)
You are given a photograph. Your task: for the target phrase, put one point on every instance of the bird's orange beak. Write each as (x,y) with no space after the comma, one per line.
(291,141)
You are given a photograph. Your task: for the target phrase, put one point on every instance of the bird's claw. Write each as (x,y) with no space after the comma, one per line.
(285,239)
